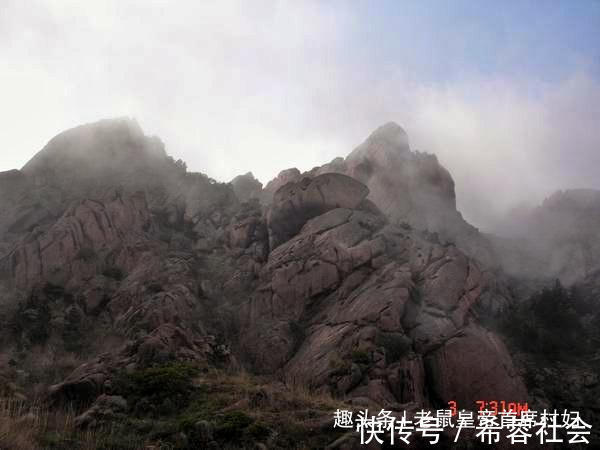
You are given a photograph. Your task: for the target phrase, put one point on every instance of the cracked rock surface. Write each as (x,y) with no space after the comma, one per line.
(343,278)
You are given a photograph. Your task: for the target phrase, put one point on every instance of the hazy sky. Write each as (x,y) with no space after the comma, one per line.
(506,93)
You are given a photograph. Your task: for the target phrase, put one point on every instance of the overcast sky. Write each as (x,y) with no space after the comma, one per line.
(507,94)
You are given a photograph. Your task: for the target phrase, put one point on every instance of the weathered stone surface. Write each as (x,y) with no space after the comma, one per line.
(284,177)
(295,203)
(357,305)
(319,282)
(84,384)
(474,366)
(408,187)
(407,380)
(246,187)
(83,241)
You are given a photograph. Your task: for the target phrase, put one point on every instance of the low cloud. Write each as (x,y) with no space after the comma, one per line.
(510,144)
(233,88)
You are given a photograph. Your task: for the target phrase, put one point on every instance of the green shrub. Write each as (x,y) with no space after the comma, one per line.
(360,357)
(53,291)
(72,336)
(258,431)
(396,346)
(114,272)
(548,323)
(158,390)
(155,287)
(231,426)
(32,321)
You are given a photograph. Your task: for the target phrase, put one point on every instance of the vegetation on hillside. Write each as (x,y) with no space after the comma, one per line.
(555,322)
(179,406)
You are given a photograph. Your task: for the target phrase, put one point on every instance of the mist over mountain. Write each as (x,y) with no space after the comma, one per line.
(358,280)
(508,98)
(295,216)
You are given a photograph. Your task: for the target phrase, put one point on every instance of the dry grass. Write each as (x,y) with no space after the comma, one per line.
(298,416)
(305,395)
(294,416)
(21,425)
(32,426)
(244,386)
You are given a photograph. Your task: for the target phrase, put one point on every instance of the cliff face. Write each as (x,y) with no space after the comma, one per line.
(341,279)
(373,310)
(407,186)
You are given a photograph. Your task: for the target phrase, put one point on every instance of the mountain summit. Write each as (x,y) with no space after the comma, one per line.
(358,279)
(386,142)
(112,150)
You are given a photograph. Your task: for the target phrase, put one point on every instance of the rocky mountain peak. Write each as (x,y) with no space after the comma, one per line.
(408,187)
(384,145)
(111,148)
(391,133)
(343,278)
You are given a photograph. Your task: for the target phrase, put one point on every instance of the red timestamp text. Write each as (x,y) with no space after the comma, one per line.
(495,406)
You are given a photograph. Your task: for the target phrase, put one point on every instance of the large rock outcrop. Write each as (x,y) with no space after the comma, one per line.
(100,245)
(110,248)
(296,202)
(246,187)
(101,154)
(407,186)
(365,308)
(89,235)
